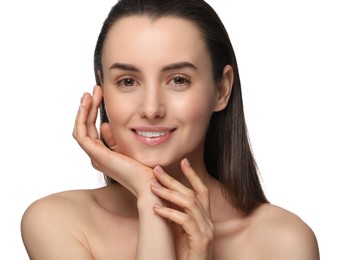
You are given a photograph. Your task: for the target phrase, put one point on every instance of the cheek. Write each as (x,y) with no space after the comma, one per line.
(117,111)
(196,111)
(112,110)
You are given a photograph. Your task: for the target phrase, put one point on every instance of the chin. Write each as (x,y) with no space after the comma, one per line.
(155,161)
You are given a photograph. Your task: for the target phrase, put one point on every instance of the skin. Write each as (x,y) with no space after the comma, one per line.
(164,205)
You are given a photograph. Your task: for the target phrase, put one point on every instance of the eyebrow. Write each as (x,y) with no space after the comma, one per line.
(123,66)
(179,65)
(173,66)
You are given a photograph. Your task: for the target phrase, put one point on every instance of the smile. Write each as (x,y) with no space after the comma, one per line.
(152,134)
(153,137)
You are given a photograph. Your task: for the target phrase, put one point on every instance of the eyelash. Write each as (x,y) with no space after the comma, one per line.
(121,82)
(186,81)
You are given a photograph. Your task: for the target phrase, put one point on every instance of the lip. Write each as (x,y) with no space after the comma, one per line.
(153,136)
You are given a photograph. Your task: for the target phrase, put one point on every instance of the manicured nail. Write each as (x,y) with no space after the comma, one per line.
(156,206)
(82,98)
(80,108)
(158,169)
(156,184)
(186,162)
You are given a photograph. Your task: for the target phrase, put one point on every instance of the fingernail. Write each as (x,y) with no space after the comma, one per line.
(158,169)
(82,98)
(186,162)
(94,88)
(80,107)
(156,184)
(156,206)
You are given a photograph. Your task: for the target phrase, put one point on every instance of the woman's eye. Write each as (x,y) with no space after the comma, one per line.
(128,82)
(125,82)
(180,81)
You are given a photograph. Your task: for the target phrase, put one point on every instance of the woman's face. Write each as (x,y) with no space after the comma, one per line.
(159,91)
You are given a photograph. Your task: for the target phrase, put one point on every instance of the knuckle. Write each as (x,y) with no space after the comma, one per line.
(89,123)
(191,203)
(191,196)
(204,190)
(190,193)
(170,194)
(170,180)
(186,219)
(95,165)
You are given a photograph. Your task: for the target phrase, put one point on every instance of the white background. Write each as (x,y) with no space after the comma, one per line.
(290,56)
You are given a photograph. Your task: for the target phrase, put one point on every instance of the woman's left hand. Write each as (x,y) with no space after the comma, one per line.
(190,212)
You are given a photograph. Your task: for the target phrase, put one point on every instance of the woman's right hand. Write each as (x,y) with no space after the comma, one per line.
(155,240)
(131,174)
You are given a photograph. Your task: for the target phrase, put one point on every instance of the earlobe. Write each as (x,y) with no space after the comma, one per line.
(224,88)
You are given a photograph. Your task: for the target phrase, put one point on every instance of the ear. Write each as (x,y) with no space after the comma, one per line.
(224,88)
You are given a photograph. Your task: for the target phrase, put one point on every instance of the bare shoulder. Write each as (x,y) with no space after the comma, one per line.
(281,234)
(50,223)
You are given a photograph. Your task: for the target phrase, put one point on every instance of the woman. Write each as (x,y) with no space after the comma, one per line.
(181,179)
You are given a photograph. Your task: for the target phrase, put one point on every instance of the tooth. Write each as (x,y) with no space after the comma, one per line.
(151,134)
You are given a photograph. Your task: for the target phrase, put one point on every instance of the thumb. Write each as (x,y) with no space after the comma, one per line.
(107,136)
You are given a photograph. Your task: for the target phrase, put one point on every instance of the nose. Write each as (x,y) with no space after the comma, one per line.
(152,106)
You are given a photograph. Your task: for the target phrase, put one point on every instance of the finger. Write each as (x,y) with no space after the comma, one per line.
(77,115)
(189,204)
(93,112)
(169,182)
(197,237)
(80,128)
(127,171)
(187,201)
(197,184)
(174,191)
(178,217)
(107,135)
(80,133)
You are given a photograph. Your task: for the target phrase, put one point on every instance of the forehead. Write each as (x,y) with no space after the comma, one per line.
(140,37)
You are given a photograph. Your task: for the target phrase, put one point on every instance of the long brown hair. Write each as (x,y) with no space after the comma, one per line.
(228,156)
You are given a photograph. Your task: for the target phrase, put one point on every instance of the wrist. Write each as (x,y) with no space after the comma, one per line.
(146,200)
